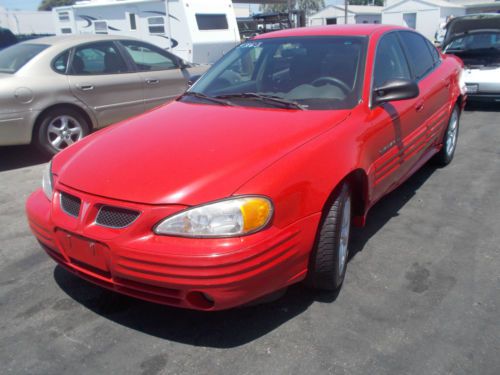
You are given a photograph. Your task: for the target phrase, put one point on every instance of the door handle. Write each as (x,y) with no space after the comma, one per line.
(85,87)
(419,106)
(152,81)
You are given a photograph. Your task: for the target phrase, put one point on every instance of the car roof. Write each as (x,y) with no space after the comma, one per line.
(64,41)
(341,30)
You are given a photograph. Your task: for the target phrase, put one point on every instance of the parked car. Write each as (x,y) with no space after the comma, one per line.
(56,90)
(6,38)
(249,182)
(476,40)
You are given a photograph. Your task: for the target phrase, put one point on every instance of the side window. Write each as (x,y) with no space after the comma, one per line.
(212,21)
(61,63)
(434,53)
(419,55)
(390,61)
(97,58)
(148,58)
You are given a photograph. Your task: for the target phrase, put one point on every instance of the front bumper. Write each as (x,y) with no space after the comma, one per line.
(203,274)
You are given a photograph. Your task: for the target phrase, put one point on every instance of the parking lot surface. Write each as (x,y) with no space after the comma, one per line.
(421,296)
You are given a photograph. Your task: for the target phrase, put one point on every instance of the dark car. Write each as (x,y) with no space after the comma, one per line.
(6,38)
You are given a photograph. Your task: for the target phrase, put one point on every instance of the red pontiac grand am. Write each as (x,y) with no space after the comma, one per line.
(249,182)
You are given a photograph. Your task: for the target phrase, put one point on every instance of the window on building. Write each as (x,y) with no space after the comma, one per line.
(156,25)
(331,21)
(212,21)
(410,20)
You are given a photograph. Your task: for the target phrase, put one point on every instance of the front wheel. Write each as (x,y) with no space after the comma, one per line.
(450,138)
(60,128)
(328,262)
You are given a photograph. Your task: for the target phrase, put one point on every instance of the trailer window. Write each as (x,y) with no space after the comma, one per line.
(212,21)
(148,58)
(101,27)
(66,30)
(133,24)
(63,16)
(156,25)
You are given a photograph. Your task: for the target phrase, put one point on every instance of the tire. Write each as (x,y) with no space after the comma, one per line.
(59,128)
(328,261)
(450,138)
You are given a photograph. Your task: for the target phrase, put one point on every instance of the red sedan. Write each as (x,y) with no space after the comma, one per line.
(249,182)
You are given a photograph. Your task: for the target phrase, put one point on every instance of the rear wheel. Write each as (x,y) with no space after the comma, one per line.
(329,258)
(450,138)
(60,128)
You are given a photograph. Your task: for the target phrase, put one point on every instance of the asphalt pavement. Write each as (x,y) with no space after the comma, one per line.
(421,295)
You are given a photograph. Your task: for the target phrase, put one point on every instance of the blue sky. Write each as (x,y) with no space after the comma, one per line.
(20,4)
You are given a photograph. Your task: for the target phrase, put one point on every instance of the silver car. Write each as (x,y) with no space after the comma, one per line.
(56,90)
(475,38)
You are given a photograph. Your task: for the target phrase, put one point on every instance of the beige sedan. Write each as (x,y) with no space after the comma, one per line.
(56,90)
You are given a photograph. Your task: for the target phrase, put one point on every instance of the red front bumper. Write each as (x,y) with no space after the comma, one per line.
(205,274)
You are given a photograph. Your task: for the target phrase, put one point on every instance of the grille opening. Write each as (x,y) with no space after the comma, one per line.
(115,217)
(70,204)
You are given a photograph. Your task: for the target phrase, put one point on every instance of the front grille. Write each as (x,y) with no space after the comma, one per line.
(115,217)
(70,204)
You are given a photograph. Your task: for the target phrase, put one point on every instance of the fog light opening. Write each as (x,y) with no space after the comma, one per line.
(200,300)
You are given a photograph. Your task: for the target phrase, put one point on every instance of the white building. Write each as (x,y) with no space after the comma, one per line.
(27,22)
(335,14)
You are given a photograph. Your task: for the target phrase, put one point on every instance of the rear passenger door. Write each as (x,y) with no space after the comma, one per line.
(100,77)
(431,108)
(161,75)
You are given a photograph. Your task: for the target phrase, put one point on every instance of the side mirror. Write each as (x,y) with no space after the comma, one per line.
(193,79)
(183,64)
(396,89)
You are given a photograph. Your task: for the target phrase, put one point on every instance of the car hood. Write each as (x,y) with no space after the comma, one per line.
(477,22)
(187,153)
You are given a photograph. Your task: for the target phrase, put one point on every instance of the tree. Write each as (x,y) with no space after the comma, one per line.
(306,5)
(367,2)
(49,4)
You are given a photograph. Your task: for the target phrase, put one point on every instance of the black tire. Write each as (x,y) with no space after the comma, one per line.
(45,137)
(445,155)
(325,269)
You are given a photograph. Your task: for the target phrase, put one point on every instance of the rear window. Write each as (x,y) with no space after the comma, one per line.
(15,57)
(212,21)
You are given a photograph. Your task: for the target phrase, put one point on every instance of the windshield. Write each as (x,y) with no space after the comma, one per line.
(300,72)
(15,57)
(476,42)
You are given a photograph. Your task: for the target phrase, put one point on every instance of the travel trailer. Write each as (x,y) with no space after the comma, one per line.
(198,31)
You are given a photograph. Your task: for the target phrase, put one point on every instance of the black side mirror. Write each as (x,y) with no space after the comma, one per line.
(193,79)
(396,89)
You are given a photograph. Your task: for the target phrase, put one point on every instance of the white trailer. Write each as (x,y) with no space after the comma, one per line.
(198,31)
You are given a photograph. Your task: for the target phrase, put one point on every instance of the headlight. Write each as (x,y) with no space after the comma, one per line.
(229,218)
(47,181)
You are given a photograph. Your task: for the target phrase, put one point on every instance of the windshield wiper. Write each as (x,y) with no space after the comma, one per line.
(273,100)
(199,95)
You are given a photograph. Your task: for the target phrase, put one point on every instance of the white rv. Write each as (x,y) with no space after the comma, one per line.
(199,31)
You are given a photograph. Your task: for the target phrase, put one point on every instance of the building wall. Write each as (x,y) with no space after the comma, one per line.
(27,22)
(428,16)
